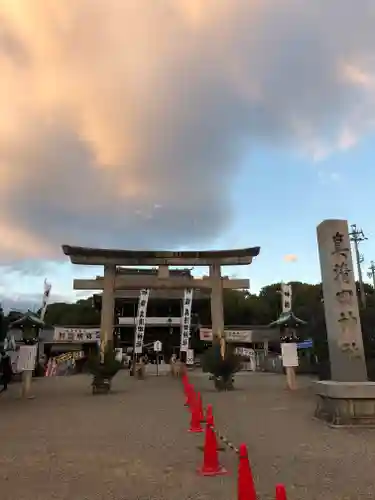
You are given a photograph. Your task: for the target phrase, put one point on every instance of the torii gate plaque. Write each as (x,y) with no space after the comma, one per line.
(112,281)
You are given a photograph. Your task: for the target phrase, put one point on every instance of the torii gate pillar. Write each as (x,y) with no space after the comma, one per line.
(217,307)
(108,307)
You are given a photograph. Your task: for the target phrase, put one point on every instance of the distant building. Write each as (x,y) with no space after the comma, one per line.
(164,312)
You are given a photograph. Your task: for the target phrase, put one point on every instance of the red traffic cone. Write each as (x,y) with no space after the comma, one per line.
(188,390)
(246,488)
(195,422)
(209,414)
(190,396)
(211,466)
(280,492)
(200,407)
(184,385)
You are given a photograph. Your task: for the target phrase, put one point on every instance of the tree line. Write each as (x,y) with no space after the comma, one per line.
(241,308)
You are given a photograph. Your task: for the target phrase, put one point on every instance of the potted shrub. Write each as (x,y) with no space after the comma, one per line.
(221,367)
(103,371)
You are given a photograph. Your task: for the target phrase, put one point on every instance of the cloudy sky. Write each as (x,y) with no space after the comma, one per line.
(182,124)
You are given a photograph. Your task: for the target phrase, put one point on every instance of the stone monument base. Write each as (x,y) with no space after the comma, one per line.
(346,403)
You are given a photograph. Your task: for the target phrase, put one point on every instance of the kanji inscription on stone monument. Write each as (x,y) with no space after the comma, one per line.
(340,302)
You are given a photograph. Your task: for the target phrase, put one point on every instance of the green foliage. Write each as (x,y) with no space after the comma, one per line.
(107,369)
(241,308)
(81,313)
(213,362)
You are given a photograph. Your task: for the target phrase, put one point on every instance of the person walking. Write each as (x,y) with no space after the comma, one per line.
(6,371)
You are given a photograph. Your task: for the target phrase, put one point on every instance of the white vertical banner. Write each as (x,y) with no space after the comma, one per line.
(286,298)
(140,322)
(186,320)
(46,294)
(190,357)
(10,343)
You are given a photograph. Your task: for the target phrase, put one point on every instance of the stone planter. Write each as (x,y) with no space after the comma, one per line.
(101,385)
(223,384)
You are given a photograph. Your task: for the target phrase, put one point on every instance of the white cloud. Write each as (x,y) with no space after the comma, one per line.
(290,258)
(127,119)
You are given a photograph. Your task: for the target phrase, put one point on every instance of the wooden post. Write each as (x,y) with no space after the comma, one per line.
(291,378)
(27,376)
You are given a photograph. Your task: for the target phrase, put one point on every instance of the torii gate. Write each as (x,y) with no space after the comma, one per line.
(111,281)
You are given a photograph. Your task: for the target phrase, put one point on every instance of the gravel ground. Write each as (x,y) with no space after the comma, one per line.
(133,444)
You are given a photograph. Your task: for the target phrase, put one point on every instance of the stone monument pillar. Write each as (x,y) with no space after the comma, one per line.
(108,305)
(217,308)
(343,324)
(347,399)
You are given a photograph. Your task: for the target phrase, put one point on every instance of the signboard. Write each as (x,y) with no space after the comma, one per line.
(289,354)
(26,358)
(205,334)
(246,352)
(140,324)
(78,335)
(306,344)
(186,320)
(190,357)
(244,336)
(158,346)
(238,335)
(69,356)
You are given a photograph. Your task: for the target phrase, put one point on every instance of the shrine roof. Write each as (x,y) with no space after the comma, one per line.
(29,319)
(287,319)
(102,256)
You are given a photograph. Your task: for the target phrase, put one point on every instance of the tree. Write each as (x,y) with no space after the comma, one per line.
(103,371)
(80,313)
(241,308)
(221,367)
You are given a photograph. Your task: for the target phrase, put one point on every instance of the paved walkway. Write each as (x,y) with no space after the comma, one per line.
(133,444)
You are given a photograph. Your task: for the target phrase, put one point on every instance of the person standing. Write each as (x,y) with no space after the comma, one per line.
(6,371)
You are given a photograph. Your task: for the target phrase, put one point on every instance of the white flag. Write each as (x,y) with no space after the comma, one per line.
(46,294)
(140,323)
(186,320)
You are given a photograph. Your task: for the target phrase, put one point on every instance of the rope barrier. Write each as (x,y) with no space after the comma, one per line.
(211,464)
(225,440)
